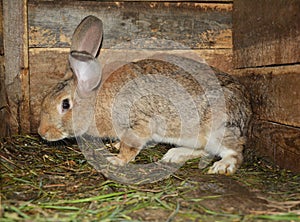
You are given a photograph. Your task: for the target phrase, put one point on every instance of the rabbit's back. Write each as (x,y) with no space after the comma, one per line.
(158,97)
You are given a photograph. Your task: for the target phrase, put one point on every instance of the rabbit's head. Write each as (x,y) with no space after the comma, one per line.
(78,87)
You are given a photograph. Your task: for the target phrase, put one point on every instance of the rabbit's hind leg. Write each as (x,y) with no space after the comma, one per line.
(230,149)
(229,163)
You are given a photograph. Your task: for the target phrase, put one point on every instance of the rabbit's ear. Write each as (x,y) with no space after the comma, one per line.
(88,36)
(87,70)
(85,45)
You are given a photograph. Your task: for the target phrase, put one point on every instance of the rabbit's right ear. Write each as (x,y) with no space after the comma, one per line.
(86,42)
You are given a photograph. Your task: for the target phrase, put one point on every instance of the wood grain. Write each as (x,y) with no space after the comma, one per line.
(4,109)
(266,32)
(278,143)
(1,29)
(47,67)
(275,93)
(16,64)
(118,1)
(189,24)
(4,112)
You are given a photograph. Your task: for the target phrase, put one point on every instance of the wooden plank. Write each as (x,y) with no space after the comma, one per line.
(218,1)
(220,58)
(279,143)
(210,1)
(16,64)
(266,32)
(4,126)
(47,67)
(192,24)
(4,112)
(275,93)
(1,29)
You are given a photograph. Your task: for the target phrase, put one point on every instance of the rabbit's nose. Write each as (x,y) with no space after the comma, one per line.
(42,131)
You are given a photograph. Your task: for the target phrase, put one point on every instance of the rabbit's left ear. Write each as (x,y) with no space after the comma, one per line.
(86,42)
(87,37)
(87,70)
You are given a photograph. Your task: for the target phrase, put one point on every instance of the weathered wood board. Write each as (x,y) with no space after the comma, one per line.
(16,64)
(266,32)
(278,143)
(188,24)
(210,1)
(266,55)
(275,93)
(4,113)
(47,67)
(1,29)
(4,126)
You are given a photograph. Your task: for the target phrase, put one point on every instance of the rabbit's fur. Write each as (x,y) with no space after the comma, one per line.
(168,99)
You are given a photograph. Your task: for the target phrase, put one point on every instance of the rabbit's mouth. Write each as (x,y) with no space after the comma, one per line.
(51,134)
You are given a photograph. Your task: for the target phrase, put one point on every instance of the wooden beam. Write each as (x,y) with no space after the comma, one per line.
(1,29)
(190,24)
(4,111)
(178,1)
(266,32)
(266,39)
(275,93)
(16,64)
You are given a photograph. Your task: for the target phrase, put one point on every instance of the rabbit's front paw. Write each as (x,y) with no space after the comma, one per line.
(225,166)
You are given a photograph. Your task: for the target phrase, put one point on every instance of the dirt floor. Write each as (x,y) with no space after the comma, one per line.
(42,182)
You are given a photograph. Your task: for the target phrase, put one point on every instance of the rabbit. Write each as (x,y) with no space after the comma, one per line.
(163,99)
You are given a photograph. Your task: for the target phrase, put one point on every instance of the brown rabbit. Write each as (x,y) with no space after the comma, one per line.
(164,99)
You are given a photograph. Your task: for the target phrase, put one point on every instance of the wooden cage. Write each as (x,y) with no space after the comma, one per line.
(258,41)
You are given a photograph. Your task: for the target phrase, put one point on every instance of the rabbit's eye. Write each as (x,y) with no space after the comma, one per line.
(66,104)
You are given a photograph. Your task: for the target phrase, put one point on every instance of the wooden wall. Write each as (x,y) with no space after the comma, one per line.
(15,106)
(37,36)
(266,39)
(206,28)
(3,110)
(35,39)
